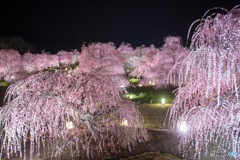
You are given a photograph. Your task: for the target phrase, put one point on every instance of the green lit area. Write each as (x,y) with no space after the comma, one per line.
(147,94)
(134,80)
(2,83)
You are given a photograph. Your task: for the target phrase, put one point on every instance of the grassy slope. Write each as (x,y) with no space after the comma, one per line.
(147,94)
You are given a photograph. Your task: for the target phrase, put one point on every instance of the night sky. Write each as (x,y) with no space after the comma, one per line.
(54,25)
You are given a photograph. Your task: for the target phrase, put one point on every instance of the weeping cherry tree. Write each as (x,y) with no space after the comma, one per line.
(157,63)
(207,100)
(105,59)
(58,112)
(11,66)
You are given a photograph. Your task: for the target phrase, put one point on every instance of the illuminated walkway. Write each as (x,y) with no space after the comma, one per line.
(154,115)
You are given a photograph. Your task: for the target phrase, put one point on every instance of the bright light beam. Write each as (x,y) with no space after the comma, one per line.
(69,125)
(163,101)
(124,122)
(183,127)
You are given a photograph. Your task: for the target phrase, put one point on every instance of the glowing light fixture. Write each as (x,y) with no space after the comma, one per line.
(183,127)
(163,101)
(124,122)
(69,125)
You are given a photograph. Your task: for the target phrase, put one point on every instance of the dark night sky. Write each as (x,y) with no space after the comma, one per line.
(54,25)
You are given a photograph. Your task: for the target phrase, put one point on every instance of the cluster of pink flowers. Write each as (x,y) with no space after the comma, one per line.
(14,67)
(157,63)
(39,107)
(207,99)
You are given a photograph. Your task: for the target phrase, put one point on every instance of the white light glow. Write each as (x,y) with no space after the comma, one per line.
(150,82)
(12,77)
(124,122)
(140,85)
(69,125)
(163,101)
(122,86)
(130,96)
(183,127)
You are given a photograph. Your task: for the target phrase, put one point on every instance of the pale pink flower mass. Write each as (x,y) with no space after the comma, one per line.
(76,100)
(40,106)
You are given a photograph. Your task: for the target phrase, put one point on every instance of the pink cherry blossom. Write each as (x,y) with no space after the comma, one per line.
(11,67)
(103,58)
(208,95)
(39,107)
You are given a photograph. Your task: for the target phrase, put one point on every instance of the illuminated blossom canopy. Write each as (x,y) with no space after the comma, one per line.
(207,99)
(157,64)
(11,67)
(53,60)
(102,58)
(131,56)
(146,63)
(40,106)
(68,58)
(33,63)
(28,62)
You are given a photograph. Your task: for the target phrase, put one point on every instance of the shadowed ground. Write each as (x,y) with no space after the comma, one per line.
(154,115)
(2,92)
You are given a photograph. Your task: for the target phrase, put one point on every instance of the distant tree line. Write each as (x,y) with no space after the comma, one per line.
(17,43)
(141,62)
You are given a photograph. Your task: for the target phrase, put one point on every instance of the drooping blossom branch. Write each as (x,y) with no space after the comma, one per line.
(208,95)
(11,67)
(39,107)
(103,58)
(157,64)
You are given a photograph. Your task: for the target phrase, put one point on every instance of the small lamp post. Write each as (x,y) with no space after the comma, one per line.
(163,101)
(124,122)
(69,125)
